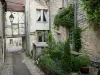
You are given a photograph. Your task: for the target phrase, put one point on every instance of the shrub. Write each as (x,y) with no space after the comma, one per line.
(65,17)
(79,62)
(77,39)
(50,65)
(99,72)
(66,60)
(92,8)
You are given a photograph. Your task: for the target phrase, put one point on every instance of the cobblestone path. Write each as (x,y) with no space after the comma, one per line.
(19,68)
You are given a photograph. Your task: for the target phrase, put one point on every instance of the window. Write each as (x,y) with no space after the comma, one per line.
(11,41)
(42,15)
(42,36)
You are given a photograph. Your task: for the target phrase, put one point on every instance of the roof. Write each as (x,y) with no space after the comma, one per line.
(15,5)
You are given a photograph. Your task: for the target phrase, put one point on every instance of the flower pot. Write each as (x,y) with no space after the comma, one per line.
(84,70)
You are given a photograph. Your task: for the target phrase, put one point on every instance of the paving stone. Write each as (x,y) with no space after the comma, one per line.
(31,66)
(8,65)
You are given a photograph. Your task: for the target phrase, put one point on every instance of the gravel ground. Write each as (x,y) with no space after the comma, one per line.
(8,65)
(31,66)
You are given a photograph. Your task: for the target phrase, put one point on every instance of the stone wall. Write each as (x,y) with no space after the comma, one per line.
(1,33)
(55,6)
(90,37)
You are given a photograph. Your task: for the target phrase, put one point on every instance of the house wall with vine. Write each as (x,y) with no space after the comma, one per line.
(90,37)
(60,33)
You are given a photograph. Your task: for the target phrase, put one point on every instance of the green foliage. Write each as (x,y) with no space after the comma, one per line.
(50,65)
(55,49)
(92,8)
(65,17)
(77,39)
(79,62)
(99,72)
(66,60)
(28,54)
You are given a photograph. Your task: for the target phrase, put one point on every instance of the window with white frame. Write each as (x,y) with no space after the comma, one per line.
(42,15)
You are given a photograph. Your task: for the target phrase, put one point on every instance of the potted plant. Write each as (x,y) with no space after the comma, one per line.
(84,70)
(99,72)
(84,61)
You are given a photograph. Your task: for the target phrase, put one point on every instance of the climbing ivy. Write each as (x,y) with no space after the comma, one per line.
(92,8)
(77,39)
(65,17)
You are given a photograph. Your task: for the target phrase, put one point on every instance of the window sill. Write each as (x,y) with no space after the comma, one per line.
(42,22)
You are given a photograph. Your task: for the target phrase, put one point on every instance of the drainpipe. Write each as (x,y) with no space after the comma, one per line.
(75,14)
(49,15)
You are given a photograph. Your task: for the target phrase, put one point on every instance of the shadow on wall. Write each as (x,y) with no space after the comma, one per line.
(97,40)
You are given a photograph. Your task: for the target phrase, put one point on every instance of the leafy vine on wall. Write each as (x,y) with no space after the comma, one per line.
(92,8)
(65,17)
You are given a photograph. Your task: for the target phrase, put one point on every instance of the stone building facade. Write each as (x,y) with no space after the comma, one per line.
(1,31)
(2,9)
(90,37)
(61,33)
(38,20)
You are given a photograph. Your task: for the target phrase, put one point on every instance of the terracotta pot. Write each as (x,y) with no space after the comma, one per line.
(84,70)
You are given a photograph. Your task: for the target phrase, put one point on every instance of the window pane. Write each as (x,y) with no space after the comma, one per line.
(38,11)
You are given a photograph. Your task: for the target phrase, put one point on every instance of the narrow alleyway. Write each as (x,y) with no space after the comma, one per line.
(19,68)
(16,63)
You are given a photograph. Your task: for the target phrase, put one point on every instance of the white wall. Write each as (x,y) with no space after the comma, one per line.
(34,24)
(17,42)
(1,31)
(1,21)
(18,18)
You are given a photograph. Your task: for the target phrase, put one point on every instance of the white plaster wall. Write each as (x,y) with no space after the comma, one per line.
(34,24)
(90,38)
(33,39)
(18,18)
(15,41)
(1,23)
(1,32)
(55,6)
